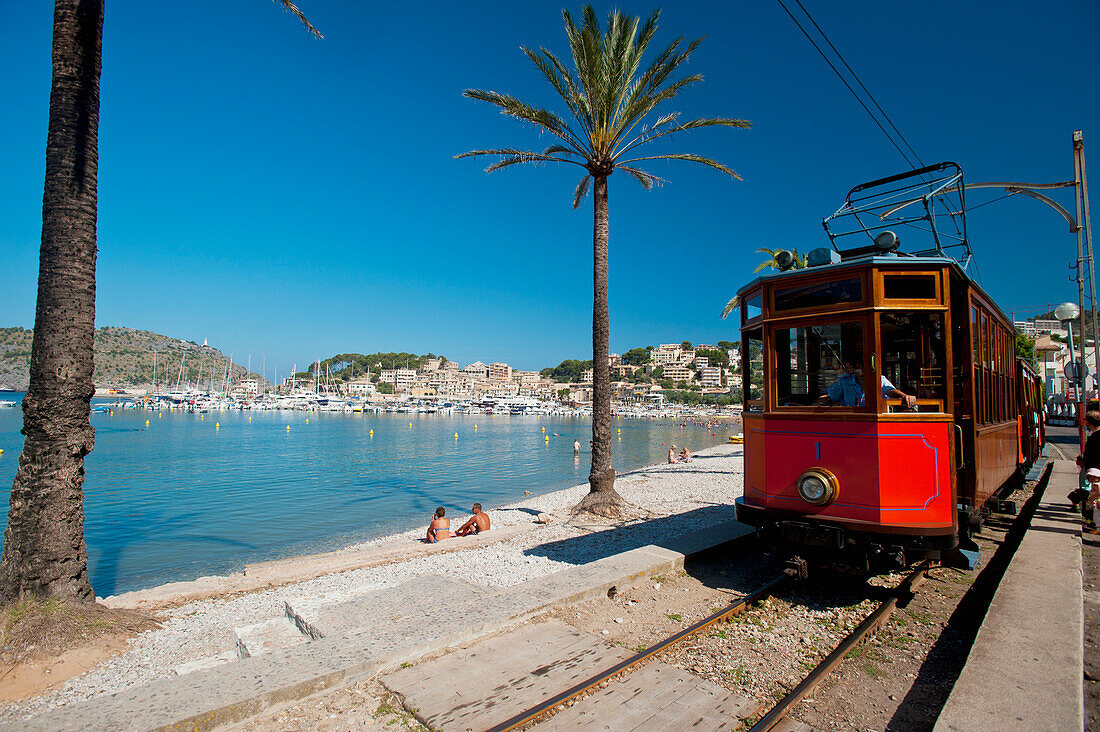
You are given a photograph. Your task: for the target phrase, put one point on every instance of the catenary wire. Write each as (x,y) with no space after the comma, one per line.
(849,86)
(860,82)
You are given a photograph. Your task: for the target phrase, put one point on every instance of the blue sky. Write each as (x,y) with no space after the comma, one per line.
(272,192)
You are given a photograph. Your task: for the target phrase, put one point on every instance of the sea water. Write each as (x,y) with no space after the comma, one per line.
(198,494)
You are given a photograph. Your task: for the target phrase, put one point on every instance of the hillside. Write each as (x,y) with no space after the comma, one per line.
(123,357)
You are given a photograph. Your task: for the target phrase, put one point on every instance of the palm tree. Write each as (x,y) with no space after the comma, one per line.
(44,549)
(800,262)
(609,98)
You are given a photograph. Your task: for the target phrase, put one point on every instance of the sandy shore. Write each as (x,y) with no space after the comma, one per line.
(667,500)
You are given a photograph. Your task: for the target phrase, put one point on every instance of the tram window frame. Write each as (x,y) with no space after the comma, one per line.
(884,279)
(987,395)
(755,301)
(922,369)
(865,325)
(748,337)
(859,278)
(976,361)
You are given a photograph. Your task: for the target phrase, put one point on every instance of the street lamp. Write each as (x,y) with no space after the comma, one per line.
(1067,312)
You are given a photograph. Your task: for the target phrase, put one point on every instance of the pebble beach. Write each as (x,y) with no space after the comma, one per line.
(664,500)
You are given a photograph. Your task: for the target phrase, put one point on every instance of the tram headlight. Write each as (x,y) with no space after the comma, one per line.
(818,487)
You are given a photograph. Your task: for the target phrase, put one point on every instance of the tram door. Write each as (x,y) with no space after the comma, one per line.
(963,355)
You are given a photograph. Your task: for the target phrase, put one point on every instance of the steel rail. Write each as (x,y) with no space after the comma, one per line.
(864,629)
(580,688)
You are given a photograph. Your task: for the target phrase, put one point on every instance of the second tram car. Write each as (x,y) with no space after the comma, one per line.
(883,401)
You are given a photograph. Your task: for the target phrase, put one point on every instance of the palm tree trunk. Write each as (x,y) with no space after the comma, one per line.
(602,498)
(44,549)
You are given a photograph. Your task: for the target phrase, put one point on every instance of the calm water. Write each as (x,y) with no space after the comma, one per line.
(180,498)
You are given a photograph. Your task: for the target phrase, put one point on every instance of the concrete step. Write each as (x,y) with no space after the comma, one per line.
(265,637)
(654,698)
(202,664)
(483,685)
(380,607)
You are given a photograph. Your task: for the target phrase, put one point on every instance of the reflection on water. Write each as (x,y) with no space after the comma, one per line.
(191,495)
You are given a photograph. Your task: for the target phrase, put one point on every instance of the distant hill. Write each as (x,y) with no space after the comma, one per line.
(123,357)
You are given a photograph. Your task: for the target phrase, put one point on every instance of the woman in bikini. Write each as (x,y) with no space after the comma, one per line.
(439,528)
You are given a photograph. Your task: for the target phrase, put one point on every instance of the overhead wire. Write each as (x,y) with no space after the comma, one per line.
(860,82)
(845,82)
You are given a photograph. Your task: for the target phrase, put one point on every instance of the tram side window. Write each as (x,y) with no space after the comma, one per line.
(976,336)
(913,355)
(820,364)
(752,371)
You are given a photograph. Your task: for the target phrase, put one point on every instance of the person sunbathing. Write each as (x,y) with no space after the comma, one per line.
(439,528)
(478,522)
(685,456)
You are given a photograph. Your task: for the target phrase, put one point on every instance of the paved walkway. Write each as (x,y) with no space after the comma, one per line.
(1025,669)
(360,638)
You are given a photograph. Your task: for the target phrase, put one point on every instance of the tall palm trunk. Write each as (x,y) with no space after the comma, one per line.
(44,549)
(602,499)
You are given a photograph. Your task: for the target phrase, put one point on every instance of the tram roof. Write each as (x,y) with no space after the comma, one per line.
(890,260)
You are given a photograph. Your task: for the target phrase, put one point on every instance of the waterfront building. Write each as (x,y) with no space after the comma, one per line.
(700,362)
(401,379)
(500,371)
(477,368)
(525,377)
(449,366)
(587,376)
(430,364)
(614,359)
(361,387)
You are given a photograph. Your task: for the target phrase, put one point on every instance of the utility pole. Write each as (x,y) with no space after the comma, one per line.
(1084,227)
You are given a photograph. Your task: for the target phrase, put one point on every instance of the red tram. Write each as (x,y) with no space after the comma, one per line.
(883,401)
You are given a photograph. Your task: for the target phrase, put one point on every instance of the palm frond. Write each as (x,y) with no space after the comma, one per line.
(690,158)
(513,107)
(732,305)
(293,9)
(581,191)
(648,180)
(511,156)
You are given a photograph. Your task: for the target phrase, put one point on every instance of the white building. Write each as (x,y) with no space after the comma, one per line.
(500,371)
(587,376)
(361,387)
(401,379)
(701,362)
(666,353)
(712,376)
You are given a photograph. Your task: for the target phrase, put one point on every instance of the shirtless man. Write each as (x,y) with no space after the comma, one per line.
(478,522)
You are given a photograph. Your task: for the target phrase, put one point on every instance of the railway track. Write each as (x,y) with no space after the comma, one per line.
(766,720)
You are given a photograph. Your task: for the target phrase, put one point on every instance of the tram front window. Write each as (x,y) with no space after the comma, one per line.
(913,357)
(820,364)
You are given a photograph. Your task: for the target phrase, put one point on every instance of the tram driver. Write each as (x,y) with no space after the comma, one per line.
(847,390)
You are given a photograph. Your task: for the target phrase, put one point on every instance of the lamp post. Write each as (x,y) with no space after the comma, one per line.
(1067,312)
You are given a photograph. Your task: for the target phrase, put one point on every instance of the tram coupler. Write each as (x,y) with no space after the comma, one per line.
(796,568)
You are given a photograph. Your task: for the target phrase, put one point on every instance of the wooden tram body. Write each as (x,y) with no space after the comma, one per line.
(899,482)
